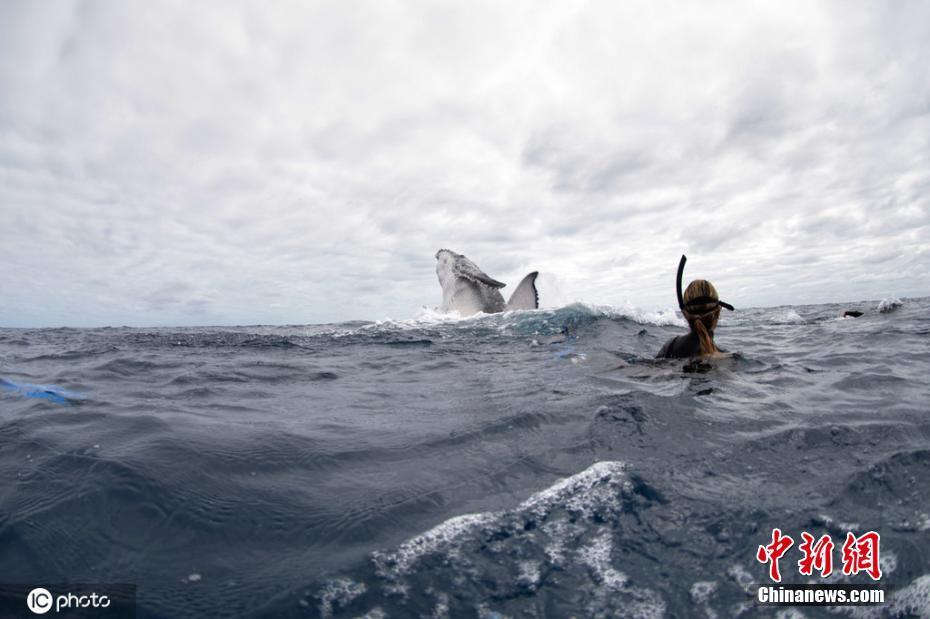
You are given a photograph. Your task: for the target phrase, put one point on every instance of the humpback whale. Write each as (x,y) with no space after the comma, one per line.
(467,290)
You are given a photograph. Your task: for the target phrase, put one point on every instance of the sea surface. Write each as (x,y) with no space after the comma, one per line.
(530,464)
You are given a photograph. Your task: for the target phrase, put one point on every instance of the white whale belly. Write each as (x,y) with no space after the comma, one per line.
(467,298)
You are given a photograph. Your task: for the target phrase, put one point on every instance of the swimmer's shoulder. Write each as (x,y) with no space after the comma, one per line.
(679,347)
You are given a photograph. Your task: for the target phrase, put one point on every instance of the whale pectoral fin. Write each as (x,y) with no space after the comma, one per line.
(525,296)
(484,279)
(467,269)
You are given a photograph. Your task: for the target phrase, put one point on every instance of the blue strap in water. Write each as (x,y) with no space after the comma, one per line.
(51,393)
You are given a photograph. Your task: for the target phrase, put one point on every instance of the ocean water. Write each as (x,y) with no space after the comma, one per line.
(528,464)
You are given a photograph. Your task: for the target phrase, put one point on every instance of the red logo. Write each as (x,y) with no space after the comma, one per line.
(817,556)
(860,554)
(773,552)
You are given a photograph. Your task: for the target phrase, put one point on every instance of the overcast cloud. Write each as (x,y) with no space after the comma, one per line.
(167,163)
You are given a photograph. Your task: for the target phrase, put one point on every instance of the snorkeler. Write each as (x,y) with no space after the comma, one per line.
(700,306)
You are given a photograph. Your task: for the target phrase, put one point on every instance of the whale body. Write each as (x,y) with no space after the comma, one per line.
(466,289)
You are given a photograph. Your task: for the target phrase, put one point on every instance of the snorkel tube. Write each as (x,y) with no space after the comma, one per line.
(698,301)
(681,271)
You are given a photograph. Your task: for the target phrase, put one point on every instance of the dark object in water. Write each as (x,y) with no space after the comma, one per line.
(852,314)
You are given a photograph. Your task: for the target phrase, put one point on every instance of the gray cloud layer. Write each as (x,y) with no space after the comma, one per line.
(179,163)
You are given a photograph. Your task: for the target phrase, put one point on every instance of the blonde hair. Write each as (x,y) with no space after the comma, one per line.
(702,318)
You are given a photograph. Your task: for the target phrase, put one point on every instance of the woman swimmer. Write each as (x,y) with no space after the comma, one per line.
(700,306)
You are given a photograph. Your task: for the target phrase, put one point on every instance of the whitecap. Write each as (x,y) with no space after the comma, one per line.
(889,305)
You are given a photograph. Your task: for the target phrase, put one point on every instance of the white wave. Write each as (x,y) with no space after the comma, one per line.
(401,560)
(572,530)
(788,316)
(529,574)
(597,557)
(888,562)
(427,317)
(914,598)
(702,590)
(543,319)
(570,525)
(669,317)
(910,601)
(578,493)
(441,610)
(889,305)
(424,317)
(338,592)
(741,577)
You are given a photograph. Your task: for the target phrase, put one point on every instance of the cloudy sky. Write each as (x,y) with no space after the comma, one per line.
(167,163)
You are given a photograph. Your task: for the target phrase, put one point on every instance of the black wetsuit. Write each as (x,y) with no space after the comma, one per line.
(682,347)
